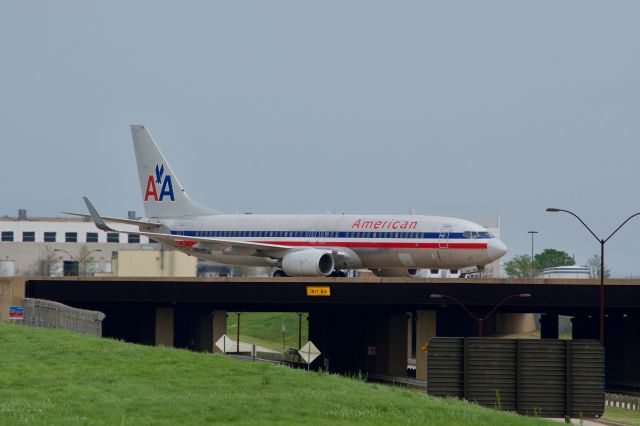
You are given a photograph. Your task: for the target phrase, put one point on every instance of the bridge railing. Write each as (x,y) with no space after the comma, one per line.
(45,313)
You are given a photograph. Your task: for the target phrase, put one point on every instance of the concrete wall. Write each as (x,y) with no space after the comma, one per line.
(11,294)
(156,263)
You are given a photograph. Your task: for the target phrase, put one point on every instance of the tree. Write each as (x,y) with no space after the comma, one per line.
(85,260)
(594,263)
(519,267)
(550,258)
(46,261)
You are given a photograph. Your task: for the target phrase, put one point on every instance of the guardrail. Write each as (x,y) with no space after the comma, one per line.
(45,313)
(622,401)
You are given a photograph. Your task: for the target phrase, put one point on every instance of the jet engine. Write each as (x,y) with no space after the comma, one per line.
(307,263)
(393,272)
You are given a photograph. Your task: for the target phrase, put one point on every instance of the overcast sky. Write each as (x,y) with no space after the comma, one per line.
(467,109)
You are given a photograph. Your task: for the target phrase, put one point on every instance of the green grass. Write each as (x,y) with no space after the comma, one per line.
(621,415)
(56,377)
(265,328)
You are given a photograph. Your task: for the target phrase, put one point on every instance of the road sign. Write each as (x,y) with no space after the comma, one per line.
(318,291)
(16,313)
(309,352)
(225,344)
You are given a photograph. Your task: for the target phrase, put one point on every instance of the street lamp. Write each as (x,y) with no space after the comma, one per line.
(64,251)
(602,243)
(532,232)
(479,321)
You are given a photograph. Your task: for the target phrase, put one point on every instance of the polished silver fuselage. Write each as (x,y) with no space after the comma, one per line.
(369,241)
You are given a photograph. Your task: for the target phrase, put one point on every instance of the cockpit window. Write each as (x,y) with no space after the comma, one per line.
(475,234)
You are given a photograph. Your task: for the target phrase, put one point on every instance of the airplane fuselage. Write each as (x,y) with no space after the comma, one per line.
(372,241)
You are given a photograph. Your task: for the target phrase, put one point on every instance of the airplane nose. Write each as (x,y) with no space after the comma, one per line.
(496,249)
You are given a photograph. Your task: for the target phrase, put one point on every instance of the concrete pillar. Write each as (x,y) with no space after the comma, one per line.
(164,327)
(514,323)
(425,330)
(379,363)
(585,327)
(219,327)
(205,341)
(549,326)
(397,347)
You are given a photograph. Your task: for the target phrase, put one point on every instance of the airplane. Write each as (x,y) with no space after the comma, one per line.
(297,245)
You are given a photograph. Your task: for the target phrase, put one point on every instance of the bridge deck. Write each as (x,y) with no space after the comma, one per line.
(290,293)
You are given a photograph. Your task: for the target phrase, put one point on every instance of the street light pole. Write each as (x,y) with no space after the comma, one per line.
(532,232)
(479,321)
(602,243)
(300,314)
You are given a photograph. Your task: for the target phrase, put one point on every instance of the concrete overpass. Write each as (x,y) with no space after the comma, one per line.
(358,324)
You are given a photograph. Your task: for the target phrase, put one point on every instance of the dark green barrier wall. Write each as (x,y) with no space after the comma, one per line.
(549,378)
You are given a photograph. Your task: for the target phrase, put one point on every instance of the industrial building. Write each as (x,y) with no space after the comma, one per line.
(50,246)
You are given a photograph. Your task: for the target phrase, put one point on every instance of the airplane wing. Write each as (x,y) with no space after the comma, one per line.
(228,246)
(118,220)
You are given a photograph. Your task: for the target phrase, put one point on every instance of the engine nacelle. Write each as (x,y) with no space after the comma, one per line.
(396,272)
(308,263)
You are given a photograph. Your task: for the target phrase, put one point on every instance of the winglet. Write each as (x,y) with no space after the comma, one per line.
(95,216)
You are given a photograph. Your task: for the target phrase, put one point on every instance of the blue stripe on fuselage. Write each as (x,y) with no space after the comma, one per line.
(328,234)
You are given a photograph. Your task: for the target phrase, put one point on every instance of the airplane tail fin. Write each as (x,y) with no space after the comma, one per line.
(162,194)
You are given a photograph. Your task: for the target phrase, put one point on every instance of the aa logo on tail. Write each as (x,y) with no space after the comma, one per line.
(166,190)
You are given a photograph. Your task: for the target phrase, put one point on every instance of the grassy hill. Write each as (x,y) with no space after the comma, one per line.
(59,377)
(265,328)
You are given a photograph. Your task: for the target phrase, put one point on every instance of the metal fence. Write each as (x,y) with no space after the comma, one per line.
(45,313)
(550,378)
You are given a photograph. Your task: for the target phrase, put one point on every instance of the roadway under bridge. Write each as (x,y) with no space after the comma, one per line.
(360,324)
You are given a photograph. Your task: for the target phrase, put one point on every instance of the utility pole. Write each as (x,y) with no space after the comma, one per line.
(532,233)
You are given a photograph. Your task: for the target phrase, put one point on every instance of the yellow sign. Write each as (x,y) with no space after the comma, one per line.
(425,347)
(318,291)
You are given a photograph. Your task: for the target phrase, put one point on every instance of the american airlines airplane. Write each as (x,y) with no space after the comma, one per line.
(297,245)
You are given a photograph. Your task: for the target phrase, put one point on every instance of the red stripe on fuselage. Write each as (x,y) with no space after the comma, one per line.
(365,244)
